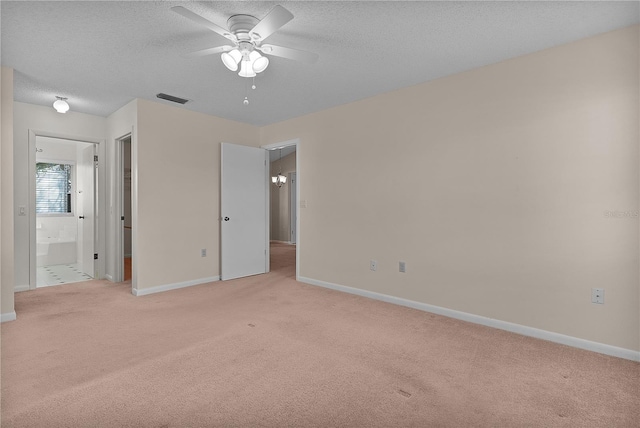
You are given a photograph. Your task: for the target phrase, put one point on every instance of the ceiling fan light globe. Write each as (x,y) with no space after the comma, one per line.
(246,70)
(260,64)
(231,59)
(228,62)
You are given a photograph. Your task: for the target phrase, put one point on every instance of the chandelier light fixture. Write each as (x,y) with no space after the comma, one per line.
(279,179)
(61,105)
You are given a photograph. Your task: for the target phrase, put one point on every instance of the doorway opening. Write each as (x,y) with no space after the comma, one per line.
(123,269)
(245,210)
(65,207)
(283,214)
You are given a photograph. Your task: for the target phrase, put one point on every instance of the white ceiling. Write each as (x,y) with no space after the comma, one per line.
(101,55)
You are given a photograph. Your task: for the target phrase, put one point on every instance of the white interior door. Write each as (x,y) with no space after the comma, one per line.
(86,210)
(293,207)
(244,211)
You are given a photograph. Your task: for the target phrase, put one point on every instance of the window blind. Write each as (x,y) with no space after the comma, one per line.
(53,188)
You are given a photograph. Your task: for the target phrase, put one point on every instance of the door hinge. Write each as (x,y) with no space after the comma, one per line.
(95,158)
(122,218)
(95,256)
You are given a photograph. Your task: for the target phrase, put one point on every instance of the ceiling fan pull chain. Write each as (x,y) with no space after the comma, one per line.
(246,93)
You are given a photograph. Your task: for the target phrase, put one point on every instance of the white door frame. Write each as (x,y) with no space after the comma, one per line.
(293,205)
(86,206)
(100,200)
(118,209)
(294,142)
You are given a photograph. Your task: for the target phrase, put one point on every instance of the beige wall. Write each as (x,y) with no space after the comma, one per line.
(492,185)
(7,276)
(178,196)
(280,210)
(176,153)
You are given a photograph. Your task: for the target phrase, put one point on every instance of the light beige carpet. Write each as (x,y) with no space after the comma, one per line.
(267,351)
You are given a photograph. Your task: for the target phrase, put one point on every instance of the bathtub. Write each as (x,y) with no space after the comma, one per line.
(55,251)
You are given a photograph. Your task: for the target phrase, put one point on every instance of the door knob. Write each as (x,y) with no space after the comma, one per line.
(226,219)
(82,217)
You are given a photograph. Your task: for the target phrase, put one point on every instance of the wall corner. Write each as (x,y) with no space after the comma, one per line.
(7,278)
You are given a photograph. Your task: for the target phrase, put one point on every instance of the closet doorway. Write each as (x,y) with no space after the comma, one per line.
(124,224)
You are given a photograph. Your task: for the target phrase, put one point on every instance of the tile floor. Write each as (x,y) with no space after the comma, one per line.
(59,274)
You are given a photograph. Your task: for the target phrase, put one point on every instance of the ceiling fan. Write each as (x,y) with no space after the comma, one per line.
(247,33)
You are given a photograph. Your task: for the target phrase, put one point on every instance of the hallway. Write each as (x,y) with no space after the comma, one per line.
(283,259)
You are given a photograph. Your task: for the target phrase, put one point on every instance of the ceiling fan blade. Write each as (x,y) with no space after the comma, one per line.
(203,22)
(294,54)
(210,51)
(276,18)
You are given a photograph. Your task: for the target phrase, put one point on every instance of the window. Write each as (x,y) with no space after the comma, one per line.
(53,188)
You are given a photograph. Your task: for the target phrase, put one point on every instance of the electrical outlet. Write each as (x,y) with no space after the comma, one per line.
(203,252)
(597,296)
(373,265)
(402,267)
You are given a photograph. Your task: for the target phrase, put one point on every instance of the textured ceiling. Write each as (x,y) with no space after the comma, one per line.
(101,55)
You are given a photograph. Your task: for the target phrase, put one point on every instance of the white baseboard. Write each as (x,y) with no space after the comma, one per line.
(489,322)
(109,278)
(275,241)
(11,316)
(167,287)
(19,288)
(128,255)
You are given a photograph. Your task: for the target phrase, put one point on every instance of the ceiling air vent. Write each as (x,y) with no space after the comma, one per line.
(172,98)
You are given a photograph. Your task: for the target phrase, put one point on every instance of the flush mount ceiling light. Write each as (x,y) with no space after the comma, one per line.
(279,179)
(248,34)
(61,105)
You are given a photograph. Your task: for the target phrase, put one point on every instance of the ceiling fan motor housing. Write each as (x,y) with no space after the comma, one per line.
(241,25)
